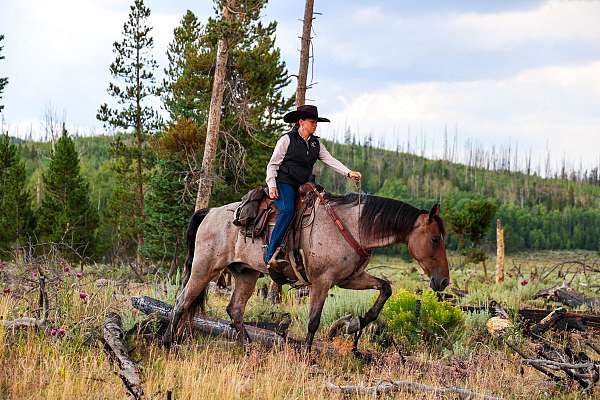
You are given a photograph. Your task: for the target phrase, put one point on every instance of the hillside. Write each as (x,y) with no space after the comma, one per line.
(539,213)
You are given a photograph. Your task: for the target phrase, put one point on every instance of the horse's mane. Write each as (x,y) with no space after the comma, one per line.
(381,216)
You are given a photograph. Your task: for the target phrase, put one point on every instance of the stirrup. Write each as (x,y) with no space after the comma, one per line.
(277,263)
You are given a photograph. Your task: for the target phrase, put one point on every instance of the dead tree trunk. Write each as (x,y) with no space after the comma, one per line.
(499,252)
(385,387)
(222,328)
(42,312)
(304,53)
(114,344)
(214,116)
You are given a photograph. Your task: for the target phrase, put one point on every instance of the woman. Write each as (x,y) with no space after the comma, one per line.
(291,166)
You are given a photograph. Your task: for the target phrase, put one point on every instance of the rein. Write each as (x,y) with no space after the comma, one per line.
(364,254)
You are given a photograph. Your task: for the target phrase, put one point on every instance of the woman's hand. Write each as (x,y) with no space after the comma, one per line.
(273,194)
(355,175)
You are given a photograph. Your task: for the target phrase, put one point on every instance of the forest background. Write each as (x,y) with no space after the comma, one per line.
(88,195)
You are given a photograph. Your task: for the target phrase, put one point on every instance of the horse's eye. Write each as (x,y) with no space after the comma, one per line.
(435,240)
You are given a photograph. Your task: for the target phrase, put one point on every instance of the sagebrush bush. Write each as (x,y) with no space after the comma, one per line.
(437,322)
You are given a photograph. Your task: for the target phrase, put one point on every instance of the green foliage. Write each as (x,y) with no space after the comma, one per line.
(475,332)
(437,322)
(121,218)
(133,88)
(469,217)
(133,66)
(66,215)
(16,216)
(253,102)
(168,209)
(3,81)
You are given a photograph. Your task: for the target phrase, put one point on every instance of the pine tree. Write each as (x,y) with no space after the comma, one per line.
(168,208)
(16,217)
(66,215)
(179,95)
(119,227)
(3,81)
(133,68)
(253,101)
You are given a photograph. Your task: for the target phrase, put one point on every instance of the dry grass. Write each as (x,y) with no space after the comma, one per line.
(35,365)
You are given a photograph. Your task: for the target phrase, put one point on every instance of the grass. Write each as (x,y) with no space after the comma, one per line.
(36,365)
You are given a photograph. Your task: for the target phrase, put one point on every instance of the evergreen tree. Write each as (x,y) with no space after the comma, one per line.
(16,217)
(181,78)
(253,102)
(66,215)
(134,87)
(3,81)
(119,227)
(168,208)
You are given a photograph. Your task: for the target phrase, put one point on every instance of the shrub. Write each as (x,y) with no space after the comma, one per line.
(437,322)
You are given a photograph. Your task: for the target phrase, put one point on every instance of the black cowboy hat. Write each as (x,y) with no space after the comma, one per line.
(304,112)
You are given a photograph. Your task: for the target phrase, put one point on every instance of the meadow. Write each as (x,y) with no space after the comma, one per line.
(65,359)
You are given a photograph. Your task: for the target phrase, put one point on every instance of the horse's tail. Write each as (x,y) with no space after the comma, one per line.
(195,222)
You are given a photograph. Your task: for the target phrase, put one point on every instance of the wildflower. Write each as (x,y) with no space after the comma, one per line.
(83,295)
(61,331)
(6,290)
(53,332)
(66,268)
(79,275)
(524,282)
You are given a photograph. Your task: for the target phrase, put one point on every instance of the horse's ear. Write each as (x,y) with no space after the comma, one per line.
(435,210)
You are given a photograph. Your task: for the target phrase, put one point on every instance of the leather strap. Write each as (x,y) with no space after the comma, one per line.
(364,254)
(301,281)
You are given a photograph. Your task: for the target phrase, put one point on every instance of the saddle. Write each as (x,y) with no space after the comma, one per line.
(257,212)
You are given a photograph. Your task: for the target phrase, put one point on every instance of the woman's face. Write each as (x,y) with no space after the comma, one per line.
(308,125)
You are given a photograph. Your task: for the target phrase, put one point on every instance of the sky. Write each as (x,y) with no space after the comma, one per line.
(493,73)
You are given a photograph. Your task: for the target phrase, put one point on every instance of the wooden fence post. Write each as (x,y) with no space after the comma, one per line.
(499,252)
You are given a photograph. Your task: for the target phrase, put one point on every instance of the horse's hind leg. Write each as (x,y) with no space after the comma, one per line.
(245,282)
(365,281)
(195,286)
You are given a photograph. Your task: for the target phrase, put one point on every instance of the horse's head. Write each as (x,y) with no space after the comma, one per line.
(426,245)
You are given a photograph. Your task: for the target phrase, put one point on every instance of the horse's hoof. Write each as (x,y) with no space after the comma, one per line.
(347,324)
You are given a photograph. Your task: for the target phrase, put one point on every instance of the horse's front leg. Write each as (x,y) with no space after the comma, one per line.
(318,294)
(362,282)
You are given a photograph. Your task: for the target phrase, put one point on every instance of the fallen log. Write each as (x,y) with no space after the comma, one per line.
(536,315)
(568,296)
(548,321)
(385,387)
(114,337)
(21,323)
(221,328)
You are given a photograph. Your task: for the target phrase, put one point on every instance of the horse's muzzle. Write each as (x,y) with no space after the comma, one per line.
(438,284)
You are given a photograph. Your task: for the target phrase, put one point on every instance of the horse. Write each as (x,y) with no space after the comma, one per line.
(215,244)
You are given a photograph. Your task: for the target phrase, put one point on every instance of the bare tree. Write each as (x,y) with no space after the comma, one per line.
(304,52)
(214,115)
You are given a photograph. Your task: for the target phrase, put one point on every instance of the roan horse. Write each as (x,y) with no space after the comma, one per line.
(214,244)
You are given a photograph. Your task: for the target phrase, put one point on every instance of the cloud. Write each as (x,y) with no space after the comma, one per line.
(554,106)
(553,21)
(60,52)
(454,45)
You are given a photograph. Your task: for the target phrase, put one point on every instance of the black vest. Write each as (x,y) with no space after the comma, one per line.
(297,165)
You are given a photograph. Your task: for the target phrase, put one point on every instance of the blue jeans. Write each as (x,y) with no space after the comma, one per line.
(286,205)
